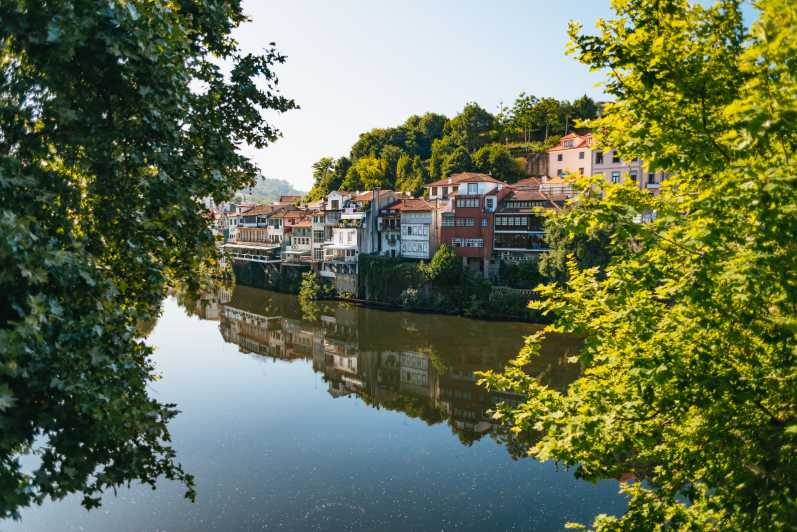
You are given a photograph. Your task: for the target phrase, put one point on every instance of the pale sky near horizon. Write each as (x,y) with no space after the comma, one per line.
(353,65)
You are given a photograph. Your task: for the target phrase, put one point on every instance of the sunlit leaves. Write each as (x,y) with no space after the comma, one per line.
(688,369)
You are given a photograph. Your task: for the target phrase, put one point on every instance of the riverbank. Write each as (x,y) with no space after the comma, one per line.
(394,284)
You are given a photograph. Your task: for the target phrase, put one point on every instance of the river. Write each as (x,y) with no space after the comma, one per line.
(337,417)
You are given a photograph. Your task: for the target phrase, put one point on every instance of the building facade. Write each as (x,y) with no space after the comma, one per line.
(519,230)
(420,230)
(573,155)
(466,222)
(615,169)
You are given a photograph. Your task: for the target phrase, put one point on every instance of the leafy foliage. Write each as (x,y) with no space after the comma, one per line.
(114,126)
(445,268)
(495,160)
(689,379)
(437,146)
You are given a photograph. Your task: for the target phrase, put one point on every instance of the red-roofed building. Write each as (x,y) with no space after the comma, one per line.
(573,155)
(467,221)
(443,188)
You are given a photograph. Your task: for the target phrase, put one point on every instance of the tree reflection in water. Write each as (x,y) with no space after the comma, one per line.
(419,364)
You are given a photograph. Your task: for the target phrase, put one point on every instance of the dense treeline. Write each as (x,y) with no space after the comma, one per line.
(426,148)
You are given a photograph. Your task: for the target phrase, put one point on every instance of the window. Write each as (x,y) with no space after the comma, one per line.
(633,176)
(484,222)
(615,177)
(581,171)
(581,155)
(335,204)
(468,242)
(615,157)
(489,203)
(464,222)
(409,229)
(559,157)
(651,178)
(448,220)
(434,191)
(568,144)
(467,203)
(598,157)
(473,188)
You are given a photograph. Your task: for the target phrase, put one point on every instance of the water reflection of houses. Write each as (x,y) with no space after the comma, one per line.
(422,372)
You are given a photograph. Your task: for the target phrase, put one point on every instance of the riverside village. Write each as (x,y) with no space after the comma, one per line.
(356,266)
(489,223)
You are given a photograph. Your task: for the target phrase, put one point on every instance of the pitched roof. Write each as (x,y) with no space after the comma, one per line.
(471,177)
(259,210)
(304,222)
(368,195)
(527,183)
(289,198)
(527,195)
(288,211)
(579,141)
(414,204)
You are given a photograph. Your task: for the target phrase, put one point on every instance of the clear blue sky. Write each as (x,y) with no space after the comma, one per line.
(356,65)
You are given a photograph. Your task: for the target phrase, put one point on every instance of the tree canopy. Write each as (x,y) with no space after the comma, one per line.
(116,122)
(690,331)
(474,139)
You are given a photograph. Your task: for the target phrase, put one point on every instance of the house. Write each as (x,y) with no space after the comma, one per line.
(443,188)
(519,225)
(254,223)
(353,222)
(573,155)
(615,169)
(299,241)
(420,228)
(466,221)
(389,227)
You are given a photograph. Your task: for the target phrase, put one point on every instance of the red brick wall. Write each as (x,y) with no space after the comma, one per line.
(447,234)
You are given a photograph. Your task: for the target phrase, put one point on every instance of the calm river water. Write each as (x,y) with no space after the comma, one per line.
(337,418)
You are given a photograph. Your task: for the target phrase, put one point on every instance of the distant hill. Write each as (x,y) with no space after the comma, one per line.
(268,190)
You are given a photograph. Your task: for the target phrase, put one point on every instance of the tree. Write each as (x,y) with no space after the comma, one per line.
(324,178)
(549,117)
(524,116)
(494,159)
(458,161)
(590,249)
(471,128)
(115,124)
(584,108)
(390,157)
(412,175)
(441,149)
(689,379)
(367,173)
(445,268)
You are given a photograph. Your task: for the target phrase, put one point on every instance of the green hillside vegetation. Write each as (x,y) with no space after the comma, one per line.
(428,147)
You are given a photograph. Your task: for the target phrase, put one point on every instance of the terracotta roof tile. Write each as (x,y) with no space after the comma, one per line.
(472,177)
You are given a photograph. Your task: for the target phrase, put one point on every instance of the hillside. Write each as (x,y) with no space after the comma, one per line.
(268,190)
